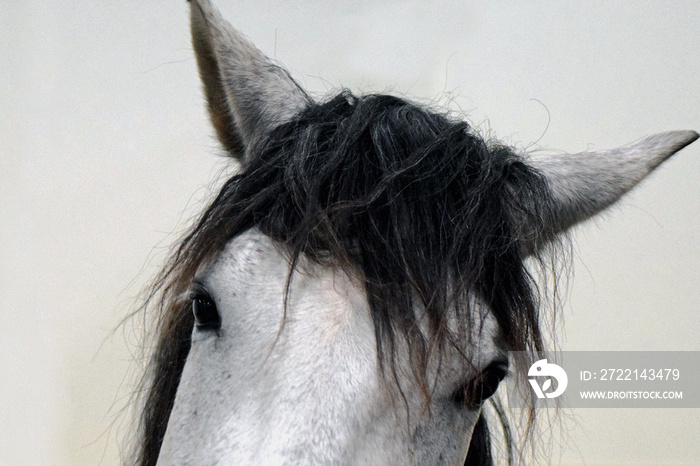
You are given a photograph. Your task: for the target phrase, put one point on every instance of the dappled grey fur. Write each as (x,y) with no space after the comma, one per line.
(420,209)
(415,205)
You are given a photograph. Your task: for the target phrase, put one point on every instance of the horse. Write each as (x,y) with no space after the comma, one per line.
(354,291)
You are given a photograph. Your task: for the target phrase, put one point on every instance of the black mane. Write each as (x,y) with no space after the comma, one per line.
(417,206)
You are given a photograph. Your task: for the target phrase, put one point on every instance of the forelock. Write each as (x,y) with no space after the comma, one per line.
(415,205)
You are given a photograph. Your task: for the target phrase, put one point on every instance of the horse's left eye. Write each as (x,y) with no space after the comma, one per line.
(205,313)
(482,387)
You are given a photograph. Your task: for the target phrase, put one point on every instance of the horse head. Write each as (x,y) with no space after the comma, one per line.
(352,294)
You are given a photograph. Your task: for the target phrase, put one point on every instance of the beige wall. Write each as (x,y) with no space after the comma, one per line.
(105,151)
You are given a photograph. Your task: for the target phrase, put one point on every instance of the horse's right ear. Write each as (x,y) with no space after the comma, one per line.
(246,92)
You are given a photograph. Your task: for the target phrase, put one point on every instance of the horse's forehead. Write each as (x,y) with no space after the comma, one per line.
(253,258)
(247,255)
(252,274)
(253,271)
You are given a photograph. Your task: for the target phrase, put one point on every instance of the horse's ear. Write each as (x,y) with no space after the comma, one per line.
(584,184)
(246,92)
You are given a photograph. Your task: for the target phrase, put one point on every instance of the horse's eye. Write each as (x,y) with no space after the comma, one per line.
(205,313)
(482,387)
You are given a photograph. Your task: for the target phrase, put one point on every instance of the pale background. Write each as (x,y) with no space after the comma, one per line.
(105,152)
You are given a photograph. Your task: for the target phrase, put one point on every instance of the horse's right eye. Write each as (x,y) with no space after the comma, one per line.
(483,386)
(205,313)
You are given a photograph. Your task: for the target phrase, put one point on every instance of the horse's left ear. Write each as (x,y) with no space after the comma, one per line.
(584,184)
(246,92)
